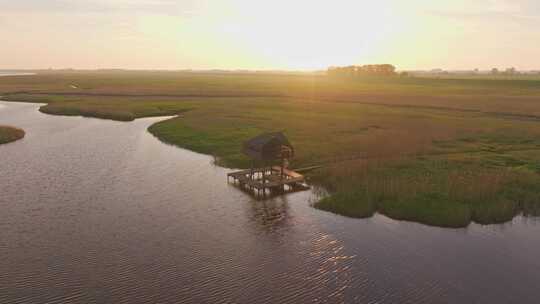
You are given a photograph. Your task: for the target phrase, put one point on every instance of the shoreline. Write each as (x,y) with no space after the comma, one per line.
(378,151)
(347,201)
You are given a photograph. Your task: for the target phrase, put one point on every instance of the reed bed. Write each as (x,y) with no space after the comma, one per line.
(438,151)
(438,193)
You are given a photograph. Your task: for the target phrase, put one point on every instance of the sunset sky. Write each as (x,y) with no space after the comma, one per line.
(277,34)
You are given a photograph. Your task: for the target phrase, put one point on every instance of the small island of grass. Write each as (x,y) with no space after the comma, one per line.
(10,134)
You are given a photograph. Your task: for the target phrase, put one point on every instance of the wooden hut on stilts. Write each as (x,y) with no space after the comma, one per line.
(265,151)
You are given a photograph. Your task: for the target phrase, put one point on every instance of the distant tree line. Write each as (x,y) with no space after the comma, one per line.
(364,70)
(509,71)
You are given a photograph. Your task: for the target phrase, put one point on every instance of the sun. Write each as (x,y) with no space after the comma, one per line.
(306,34)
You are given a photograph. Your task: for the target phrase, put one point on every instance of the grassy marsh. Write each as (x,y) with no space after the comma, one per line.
(443,152)
(435,191)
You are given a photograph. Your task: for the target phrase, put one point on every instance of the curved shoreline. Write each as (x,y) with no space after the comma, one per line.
(429,209)
(10,134)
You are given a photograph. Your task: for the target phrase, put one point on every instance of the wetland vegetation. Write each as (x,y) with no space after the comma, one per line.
(10,134)
(444,152)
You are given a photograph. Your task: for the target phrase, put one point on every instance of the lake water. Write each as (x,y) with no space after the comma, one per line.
(5,74)
(97,211)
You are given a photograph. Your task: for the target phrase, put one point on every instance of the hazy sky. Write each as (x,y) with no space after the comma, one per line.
(270,34)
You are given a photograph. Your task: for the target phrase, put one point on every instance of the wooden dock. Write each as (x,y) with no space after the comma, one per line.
(273,179)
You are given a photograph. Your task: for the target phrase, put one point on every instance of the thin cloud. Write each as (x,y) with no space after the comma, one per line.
(169,7)
(521,11)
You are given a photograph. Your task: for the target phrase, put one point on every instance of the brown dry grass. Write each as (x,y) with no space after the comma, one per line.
(9,134)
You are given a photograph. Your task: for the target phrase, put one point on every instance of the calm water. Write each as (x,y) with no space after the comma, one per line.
(5,74)
(96,211)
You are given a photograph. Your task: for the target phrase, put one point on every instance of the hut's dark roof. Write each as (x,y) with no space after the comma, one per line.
(266,146)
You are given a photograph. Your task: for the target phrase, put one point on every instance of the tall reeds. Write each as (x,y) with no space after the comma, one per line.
(437,192)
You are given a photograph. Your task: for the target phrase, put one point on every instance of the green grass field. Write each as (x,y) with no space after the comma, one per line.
(443,152)
(10,134)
